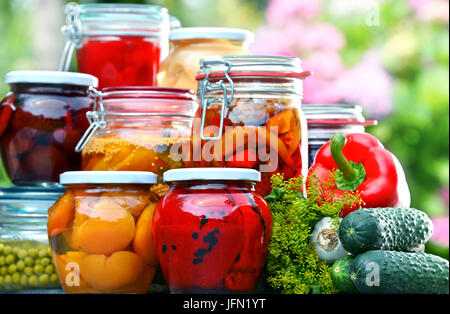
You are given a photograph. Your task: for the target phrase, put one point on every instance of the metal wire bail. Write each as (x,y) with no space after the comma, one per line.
(206,87)
(72,33)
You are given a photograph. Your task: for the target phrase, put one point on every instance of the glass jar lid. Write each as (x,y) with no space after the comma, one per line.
(51,77)
(211,33)
(335,115)
(220,174)
(147,92)
(107,177)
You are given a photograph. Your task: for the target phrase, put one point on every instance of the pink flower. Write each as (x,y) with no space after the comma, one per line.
(431,10)
(325,64)
(312,37)
(279,11)
(441,230)
(271,40)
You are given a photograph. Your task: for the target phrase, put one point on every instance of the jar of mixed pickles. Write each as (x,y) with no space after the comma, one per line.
(190,44)
(212,230)
(328,119)
(100,232)
(25,257)
(139,129)
(251,116)
(121,44)
(41,120)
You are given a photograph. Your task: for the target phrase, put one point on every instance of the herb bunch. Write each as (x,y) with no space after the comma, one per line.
(293,265)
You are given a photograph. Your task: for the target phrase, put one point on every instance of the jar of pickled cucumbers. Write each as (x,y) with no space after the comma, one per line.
(139,129)
(42,118)
(190,44)
(121,44)
(26,264)
(250,116)
(212,230)
(324,120)
(100,232)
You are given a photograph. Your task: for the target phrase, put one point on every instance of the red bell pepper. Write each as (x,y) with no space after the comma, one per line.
(364,167)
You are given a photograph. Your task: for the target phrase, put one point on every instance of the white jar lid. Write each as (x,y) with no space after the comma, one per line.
(51,77)
(107,177)
(211,33)
(225,174)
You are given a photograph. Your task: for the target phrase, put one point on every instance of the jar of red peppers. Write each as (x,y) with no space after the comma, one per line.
(251,116)
(100,232)
(121,44)
(212,230)
(41,120)
(328,119)
(139,129)
(191,44)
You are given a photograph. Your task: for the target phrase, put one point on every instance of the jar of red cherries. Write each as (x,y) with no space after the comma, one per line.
(121,44)
(212,230)
(42,119)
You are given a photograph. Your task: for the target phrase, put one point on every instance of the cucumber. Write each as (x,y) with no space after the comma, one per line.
(340,274)
(393,229)
(390,272)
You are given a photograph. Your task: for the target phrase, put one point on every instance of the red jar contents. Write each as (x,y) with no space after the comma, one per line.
(120,60)
(212,230)
(42,119)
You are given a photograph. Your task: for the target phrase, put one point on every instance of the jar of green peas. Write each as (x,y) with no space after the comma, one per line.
(25,257)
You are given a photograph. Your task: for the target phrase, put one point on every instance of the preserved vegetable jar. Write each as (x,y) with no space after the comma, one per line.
(100,232)
(121,44)
(212,230)
(41,120)
(140,129)
(251,116)
(25,257)
(326,120)
(191,44)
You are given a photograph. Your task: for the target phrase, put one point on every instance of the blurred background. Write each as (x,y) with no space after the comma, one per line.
(390,57)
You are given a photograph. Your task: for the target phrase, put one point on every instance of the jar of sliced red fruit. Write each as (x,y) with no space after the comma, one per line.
(121,44)
(41,120)
(251,116)
(212,230)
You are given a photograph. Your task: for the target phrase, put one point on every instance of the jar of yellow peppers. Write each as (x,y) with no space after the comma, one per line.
(190,44)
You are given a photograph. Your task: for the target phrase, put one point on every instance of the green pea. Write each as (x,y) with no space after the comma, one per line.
(2,246)
(38,269)
(22,254)
(42,253)
(28,270)
(49,251)
(3,270)
(28,261)
(20,265)
(7,250)
(15,250)
(1,281)
(33,280)
(10,259)
(44,279)
(24,280)
(49,269)
(54,278)
(33,253)
(12,268)
(45,261)
(15,278)
(7,280)
(2,260)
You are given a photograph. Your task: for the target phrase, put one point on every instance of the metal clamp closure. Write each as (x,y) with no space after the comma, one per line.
(207,87)
(72,33)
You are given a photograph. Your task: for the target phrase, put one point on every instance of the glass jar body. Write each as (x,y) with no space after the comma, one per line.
(263,131)
(141,134)
(212,236)
(183,62)
(100,236)
(40,126)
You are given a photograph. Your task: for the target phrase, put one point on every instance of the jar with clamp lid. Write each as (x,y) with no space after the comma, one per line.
(250,116)
(121,44)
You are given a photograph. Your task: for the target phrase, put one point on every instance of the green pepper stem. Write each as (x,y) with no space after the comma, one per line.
(337,142)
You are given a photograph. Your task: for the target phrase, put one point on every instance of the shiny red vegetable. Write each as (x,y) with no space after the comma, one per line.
(364,167)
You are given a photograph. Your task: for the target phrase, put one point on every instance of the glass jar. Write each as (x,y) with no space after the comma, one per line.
(42,119)
(328,119)
(121,44)
(25,256)
(139,129)
(251,116)
(100,232)
(191,44)
(212,230)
